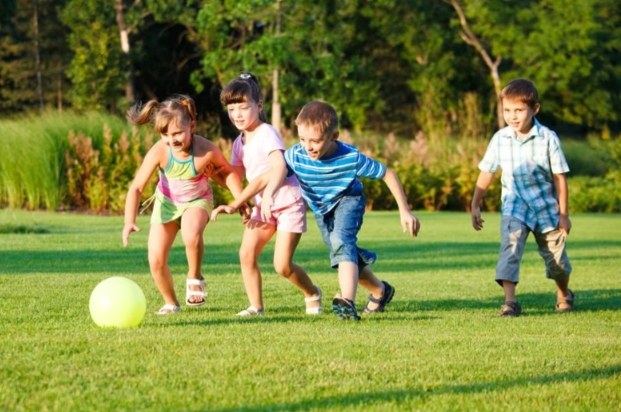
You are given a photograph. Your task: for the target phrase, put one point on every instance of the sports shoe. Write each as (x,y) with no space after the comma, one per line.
(345,309)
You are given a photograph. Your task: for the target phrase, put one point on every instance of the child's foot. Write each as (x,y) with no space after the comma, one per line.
(378,304)
(168,309)
(510,310)
(345,309)
(251,311)
(313,303)
(565,303)
(195,293)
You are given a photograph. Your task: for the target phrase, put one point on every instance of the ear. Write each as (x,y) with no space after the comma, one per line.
(192,126)
(335,135)
(536,108)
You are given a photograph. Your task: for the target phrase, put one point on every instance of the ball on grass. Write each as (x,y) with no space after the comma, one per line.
(117,302)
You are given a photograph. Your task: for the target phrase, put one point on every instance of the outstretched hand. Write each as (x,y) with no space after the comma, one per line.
(127,230)
(410,224)
(222,208)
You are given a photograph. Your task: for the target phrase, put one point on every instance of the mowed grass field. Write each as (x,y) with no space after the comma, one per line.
(439,346)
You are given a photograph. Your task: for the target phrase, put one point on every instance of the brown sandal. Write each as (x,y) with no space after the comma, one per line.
(567,300)
(510,310)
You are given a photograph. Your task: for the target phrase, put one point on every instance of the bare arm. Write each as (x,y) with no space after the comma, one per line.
(409,222)
(483,182)
(560,184)
(134,194)
(278,169)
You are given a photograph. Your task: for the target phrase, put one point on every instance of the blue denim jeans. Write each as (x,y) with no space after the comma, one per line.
(339,229)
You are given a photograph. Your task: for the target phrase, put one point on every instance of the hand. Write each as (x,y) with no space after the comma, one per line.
(127,230)
(266,208)
(477,221)
(245,211)
(410,224)
(222,208)
(564,223)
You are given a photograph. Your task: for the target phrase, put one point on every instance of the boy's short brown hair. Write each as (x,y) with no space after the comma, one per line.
(521,89)
(319,115)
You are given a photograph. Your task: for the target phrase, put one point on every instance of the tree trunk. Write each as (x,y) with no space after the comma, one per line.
(276,108)
(470,38)
(119,7)
(37,53)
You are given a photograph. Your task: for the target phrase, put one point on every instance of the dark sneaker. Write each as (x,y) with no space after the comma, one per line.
(510,310)
(344,308)
(381,303)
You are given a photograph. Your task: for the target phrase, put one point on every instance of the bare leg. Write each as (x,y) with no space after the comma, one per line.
(348,280)
(286,243)
(256,236)
(509,289)
(193,225)
(373,284)
(161,238)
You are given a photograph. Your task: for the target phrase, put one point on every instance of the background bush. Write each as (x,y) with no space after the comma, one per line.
(86,162)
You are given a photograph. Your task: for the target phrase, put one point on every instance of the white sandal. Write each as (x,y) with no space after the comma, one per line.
(317,309)
(168,309)
(251,311)
(189,293)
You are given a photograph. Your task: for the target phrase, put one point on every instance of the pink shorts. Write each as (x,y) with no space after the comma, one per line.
(291,218)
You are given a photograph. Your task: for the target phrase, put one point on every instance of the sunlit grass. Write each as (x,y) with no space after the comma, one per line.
(439,346)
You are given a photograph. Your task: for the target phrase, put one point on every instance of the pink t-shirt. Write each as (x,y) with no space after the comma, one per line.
(254,156)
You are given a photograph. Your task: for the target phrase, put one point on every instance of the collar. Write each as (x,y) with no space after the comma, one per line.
(533,132)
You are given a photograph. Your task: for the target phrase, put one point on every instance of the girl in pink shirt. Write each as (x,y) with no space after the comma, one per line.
(278,209)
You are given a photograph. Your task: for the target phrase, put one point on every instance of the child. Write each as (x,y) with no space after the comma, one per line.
(534,195)
(183,198)
(279,209)
(327,170)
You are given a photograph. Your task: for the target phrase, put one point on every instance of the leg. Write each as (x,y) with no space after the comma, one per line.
(286,243)
(513,235)
(552,249)
(381,292)
(193,225)
(256,235)
(161,237)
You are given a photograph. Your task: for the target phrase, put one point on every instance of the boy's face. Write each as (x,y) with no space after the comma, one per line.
(519,115)
(316,145)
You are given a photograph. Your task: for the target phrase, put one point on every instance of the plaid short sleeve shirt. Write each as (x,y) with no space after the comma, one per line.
(528,191)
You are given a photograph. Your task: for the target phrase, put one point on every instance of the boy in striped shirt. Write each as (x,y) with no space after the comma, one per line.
(534,195)
(328,172)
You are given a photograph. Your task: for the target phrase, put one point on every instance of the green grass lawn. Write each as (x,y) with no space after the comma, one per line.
(439,346)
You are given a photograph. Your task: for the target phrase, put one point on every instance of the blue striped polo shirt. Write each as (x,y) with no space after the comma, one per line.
(325,181)
(528,191)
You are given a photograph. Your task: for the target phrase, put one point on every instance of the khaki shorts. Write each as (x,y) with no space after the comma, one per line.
(551,247)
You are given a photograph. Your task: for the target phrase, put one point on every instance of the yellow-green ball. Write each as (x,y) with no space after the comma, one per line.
(117,302)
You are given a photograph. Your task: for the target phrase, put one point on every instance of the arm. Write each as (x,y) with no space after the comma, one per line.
(560,184)
(277,176)
(132,200)
(483,182)
(409,222)
(254,187)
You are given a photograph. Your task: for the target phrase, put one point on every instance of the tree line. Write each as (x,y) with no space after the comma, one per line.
(400,66)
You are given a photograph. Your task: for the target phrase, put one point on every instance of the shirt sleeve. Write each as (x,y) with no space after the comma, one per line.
(490,161)
(558,162)
(370,168)
(237,153)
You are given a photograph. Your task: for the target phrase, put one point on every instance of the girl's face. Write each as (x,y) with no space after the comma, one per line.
(519,115)
(244,115)
(179,137)
(316,145)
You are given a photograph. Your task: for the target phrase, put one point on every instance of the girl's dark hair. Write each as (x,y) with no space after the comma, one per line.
(179,108)
(242,89)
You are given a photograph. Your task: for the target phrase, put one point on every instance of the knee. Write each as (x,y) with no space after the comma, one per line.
(156,262)
(247,257)
(283,267)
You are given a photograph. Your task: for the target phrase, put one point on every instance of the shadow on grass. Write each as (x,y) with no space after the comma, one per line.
(532,303)
(363,400)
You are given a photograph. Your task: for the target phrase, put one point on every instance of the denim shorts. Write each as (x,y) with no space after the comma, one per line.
(551,245)
(339,229)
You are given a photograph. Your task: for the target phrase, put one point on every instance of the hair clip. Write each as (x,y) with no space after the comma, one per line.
(246,76)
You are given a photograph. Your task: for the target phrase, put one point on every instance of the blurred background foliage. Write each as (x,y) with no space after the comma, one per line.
(414,81)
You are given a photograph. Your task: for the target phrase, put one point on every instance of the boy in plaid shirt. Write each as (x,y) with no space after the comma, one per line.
(534,195)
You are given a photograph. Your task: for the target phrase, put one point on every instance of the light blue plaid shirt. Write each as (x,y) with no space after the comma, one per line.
(528,191)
